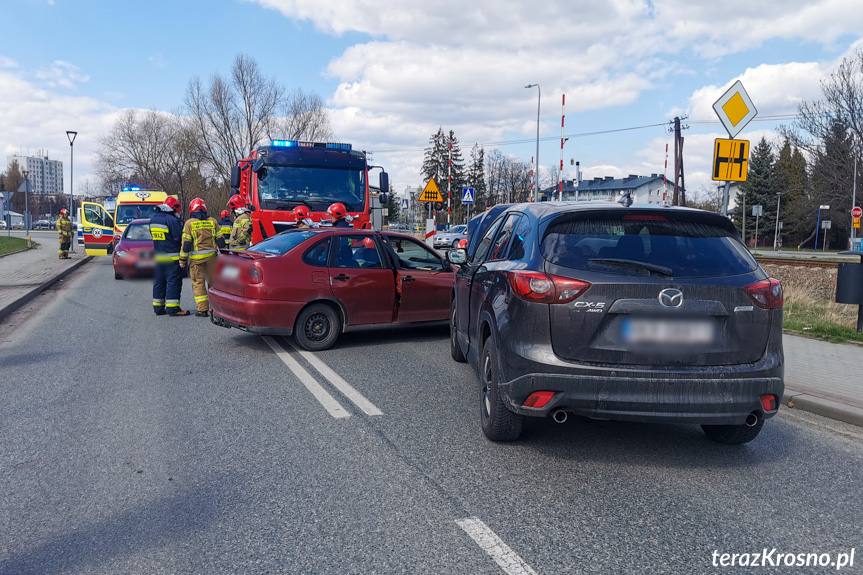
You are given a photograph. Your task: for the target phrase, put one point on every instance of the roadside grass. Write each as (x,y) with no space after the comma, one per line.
(10,244)
(819,319)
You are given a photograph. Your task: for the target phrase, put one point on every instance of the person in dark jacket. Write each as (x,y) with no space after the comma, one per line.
(167,231)
(227,224)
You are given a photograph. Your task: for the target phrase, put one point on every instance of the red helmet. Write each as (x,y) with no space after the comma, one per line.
(337,210)
(225,213)
(462,244)
(197,205)
(64,212)
(236,202)
(368,243)
(173,203)
(302,213)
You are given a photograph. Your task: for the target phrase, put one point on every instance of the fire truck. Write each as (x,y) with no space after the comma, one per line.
(103,224)
(277,178)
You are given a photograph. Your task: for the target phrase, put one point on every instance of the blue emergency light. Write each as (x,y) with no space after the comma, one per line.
(295,143)
(131,189)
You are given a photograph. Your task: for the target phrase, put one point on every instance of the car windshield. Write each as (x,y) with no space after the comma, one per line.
(282,243)
(286,187)
(458,229)
(679,249)
(128,212)
(138,232)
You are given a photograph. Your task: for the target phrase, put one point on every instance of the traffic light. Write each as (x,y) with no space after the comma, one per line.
(438,206)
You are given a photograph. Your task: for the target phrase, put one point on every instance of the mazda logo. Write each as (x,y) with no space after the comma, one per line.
(671,297)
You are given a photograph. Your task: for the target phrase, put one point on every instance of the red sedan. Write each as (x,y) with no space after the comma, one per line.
(317,283)
(133,254)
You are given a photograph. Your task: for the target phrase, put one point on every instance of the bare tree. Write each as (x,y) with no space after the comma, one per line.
(232,116)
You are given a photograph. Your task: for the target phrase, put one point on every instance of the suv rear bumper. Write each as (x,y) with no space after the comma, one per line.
(702,401)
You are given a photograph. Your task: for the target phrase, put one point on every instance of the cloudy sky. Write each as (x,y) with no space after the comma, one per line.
(393,71)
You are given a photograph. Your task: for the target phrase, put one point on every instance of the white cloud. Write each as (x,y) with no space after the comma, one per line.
(61,73)
(462,65)
(34,118)
(7,62)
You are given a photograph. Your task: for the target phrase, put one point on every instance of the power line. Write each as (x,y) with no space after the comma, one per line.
(772,118)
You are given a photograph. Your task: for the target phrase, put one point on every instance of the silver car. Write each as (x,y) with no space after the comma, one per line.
(451,238)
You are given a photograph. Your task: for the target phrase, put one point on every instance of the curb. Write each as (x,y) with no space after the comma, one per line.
(823,407)
(15,305)
(13,253)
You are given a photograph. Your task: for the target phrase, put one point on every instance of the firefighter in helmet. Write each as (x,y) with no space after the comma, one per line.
(304,218)
(202,239)
(339,215)
(226,224)
(64,228)
(241,231)
(167,231)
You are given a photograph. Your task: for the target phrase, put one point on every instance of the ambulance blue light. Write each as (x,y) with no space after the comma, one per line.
(336,146)
(131,189)
(284,143)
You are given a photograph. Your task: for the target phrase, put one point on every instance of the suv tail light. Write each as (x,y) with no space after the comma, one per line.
(767,294)
(545,288)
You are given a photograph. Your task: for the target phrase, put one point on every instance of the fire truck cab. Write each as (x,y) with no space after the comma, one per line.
(277,178)
(102,227)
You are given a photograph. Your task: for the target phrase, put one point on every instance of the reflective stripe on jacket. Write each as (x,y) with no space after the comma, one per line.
(202,236)
(241,232)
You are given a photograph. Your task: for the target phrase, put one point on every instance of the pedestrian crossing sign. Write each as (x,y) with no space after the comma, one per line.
(431,193)
(405,204)
(467,198)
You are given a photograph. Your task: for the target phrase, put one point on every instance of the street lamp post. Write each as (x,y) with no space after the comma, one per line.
(536,171)
(776,229)
(72,135)
(26,207)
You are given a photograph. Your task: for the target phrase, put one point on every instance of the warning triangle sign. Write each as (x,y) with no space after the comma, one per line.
(431,193)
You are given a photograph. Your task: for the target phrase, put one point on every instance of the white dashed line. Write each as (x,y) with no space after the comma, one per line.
(347,390)
(321,394)
(505,557)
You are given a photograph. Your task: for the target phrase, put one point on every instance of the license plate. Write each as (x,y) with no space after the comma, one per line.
(230,272)
(682,331)
(145,264)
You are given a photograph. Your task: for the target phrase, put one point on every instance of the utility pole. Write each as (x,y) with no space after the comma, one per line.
(679,197)
(449,182)
(562,140)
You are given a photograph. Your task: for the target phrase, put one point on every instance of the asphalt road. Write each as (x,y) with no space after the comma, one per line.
(131,443)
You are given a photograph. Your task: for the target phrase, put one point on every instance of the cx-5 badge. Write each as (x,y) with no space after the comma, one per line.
(671,297)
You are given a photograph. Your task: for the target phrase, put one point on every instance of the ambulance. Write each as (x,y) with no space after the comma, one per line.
(102,227)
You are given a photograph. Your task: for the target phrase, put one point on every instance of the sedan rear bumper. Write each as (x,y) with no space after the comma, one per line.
(696,401)
(254,315)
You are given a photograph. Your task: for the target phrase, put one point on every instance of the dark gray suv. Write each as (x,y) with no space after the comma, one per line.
(652,314)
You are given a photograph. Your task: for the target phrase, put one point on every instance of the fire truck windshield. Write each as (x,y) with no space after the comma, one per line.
(285,187)
(128,212)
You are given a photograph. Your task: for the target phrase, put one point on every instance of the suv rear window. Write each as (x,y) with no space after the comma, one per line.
(679,249)
(282,243)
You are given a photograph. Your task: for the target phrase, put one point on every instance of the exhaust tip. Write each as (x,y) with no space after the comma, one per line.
(752,419)
(559,416)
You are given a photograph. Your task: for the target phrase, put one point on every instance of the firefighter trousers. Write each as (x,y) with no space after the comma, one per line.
(167,283)
(201,272)
(64,248)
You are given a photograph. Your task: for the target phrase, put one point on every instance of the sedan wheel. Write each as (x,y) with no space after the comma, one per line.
(455,243)
(498,422)
(317,327)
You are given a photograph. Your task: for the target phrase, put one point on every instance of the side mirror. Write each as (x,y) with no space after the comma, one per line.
(457,257)
(384,199)
(385,183)
(258,165)
(235,177)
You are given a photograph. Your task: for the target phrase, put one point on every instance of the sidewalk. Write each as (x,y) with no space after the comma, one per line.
(24,275)
(824,378)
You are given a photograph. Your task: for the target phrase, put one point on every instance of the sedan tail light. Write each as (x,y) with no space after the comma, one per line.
(767,294)
(255,275)
(545,288)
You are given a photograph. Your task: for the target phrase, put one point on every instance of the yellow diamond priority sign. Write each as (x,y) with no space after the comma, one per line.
(431,193)
(735,109)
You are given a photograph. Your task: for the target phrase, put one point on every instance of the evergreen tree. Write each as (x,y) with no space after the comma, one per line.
(476,179)
(792,183)
(832,175)
(757,189)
